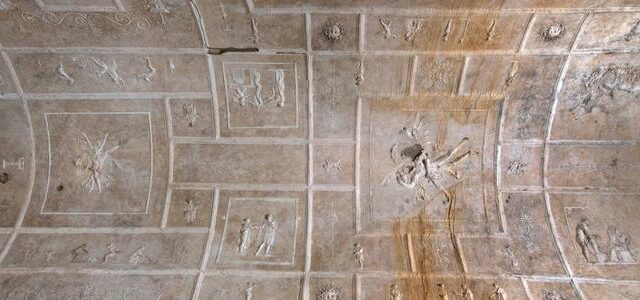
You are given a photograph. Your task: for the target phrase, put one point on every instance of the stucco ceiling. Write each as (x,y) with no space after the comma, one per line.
(319,149)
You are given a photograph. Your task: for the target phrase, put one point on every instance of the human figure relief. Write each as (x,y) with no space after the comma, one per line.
(268,233)
(111,252)
(588,242)
(394,293)
(190,213)
(443,294)
(498,293)
(248,291)
(245,236)
(619,249)
(417,167)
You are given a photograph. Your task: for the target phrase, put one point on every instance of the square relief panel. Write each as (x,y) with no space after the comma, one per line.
(123,251)
(384,76)
(102,73)
(334,32)
(15,161)
(250,287)
(334,164)
(443,32)
(437,74)
(102,286)
(110,177)
(552,32)
(192,117)
(521,165)
(599,99)
(597,233)
(262,95)
(259,230)
(99,23)
(613,30)
(190,208)
(98,165)
(423,154)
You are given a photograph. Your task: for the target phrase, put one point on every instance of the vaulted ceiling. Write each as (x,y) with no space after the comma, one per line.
(319,149)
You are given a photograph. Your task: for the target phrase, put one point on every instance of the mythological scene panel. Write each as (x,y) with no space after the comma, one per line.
(259,230)
(422,155)
(598,233)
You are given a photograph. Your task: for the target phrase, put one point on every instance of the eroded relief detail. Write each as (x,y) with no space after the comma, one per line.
(447,30)
(329,292)
(332,31)
(171,67)
(6,5)
(64,75)
(386,27)
(551,295)
(112,251)
(94,162)
(491,31)
(498,293)
(602,85)
(394,292)
(190,211)
(552,32)
(633,32)
(358,255)
(412,28)
(158,7)
(248,290)
(148,76)
(139,258)
(443,292)
(516,168)
(332,168)
(190,112)
(418,163)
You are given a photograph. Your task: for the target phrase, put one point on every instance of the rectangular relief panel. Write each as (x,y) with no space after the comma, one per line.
(240,163)
(107,250)
(103,73)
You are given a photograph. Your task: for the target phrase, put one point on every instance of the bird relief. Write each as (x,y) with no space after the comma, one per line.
(258,88)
